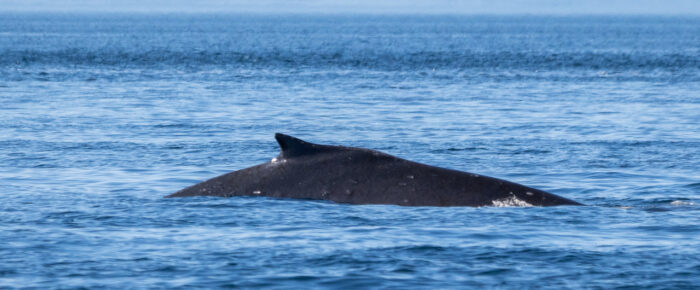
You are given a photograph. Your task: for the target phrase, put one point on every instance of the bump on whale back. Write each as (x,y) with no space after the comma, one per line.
(291,147)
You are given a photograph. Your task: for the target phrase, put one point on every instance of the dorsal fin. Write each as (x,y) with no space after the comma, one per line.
(294,147)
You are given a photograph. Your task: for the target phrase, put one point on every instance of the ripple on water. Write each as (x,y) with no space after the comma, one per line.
(97,127)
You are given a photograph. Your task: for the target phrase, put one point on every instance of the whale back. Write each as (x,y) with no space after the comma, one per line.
(305,170)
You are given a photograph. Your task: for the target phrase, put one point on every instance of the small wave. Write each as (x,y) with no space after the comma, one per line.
(682,203)
(531,151)
(381,59)
(465,148)
(694,185)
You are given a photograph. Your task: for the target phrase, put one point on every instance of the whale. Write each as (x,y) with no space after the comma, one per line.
(304,170)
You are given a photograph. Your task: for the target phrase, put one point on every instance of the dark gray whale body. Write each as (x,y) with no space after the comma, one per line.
(362,176)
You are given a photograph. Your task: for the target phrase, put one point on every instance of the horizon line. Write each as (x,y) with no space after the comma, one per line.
(345,13)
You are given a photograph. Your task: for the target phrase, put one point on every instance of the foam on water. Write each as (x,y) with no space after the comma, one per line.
(682,202)
(510,201)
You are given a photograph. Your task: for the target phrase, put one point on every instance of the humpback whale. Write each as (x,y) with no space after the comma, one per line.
(304,170)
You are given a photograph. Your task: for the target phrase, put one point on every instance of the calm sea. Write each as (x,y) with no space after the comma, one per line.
(103,115)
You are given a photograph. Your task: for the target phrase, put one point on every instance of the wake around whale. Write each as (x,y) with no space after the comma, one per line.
(342,174)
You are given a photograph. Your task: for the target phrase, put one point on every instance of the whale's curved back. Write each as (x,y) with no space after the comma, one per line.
(363,176)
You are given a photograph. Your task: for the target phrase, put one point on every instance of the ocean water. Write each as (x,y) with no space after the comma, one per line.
(101,115)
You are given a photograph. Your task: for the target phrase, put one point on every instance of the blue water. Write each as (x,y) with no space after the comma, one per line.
(103,115)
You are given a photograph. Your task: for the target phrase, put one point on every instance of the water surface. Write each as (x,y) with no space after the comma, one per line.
(102,115)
